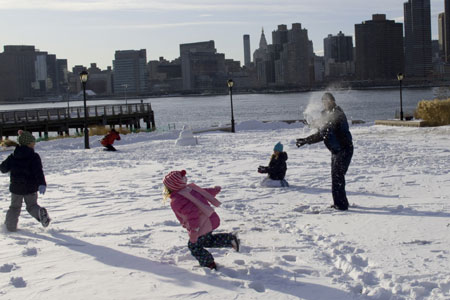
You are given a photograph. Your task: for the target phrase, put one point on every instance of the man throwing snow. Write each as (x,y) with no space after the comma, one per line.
(335,133)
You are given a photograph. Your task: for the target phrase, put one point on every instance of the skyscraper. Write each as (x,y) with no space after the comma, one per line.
(17,72)
(61,75)
(279,38)
(338,55)
(202,67)
(247,59)
(130,72)
(417,38)
(379,49)
(338,47)
(261,52)
(295,65)
(263,62)
(447,31)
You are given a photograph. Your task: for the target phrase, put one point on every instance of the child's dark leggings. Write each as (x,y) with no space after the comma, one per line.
(209,240)
(110,148)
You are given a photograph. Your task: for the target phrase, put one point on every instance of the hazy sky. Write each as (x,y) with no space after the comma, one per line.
(89,31)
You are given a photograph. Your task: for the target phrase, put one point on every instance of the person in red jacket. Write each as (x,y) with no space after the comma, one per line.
(109,139)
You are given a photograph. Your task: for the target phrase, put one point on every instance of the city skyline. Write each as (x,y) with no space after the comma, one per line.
(87,32)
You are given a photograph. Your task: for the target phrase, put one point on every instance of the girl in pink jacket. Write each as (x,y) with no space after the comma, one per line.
(191,205)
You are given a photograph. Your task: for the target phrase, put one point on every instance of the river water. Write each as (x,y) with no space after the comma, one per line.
(207,111)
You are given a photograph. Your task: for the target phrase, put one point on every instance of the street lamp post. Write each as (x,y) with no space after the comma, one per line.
(126,100)
(84,78)
(68,98)
(400,79)
(230,84)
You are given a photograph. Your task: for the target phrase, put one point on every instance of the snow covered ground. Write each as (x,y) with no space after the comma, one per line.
(112,237)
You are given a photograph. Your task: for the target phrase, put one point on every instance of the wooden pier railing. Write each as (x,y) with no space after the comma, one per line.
(60,120)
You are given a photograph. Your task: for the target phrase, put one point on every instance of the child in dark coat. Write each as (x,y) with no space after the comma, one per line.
(191,205)
(27,178)
(276,169)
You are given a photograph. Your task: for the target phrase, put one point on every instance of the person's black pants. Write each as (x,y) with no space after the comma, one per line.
(110,148)
(209,240)
(339,166)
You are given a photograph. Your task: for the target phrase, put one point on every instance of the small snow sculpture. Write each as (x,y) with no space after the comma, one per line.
(186,138)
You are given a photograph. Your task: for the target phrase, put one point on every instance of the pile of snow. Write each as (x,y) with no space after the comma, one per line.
(258,125)
(113,237)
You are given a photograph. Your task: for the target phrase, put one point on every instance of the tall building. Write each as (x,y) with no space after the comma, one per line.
(202,67)
(447,30)
(247,59)
(338,55)
(73,79)
(279,38)
(52,80)
(417,38)
(62,75)
(165,76)
(100,82)
(441,32)
(264,62)
(379,49)
(319,68)
(338,47)
(41,84)
(262,51)
(130,72)
(295,66)
(17,73)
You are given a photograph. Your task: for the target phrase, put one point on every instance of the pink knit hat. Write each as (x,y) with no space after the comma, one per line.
(175,180)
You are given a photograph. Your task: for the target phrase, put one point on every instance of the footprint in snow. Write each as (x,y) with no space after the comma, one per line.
(257,286)
(290,258)
(18,282)
(239,262)
(6,268)
(171,223)
(29,252)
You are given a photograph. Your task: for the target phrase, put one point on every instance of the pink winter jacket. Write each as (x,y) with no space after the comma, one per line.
(191,217)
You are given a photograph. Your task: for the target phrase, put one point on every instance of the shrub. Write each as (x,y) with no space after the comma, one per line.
(435,112)
(103,130)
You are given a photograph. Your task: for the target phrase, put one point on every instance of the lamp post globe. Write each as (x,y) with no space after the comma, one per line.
(400,77)
(84,79)
(230,84)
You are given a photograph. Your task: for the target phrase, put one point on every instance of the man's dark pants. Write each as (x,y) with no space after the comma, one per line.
(339,165)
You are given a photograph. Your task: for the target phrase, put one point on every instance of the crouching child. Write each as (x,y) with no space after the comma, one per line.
(277,168)
(108,140)
(191,205)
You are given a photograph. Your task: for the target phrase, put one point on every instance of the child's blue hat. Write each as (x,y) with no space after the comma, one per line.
(278,147)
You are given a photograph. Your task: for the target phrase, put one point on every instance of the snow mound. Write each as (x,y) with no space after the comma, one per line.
(258,125)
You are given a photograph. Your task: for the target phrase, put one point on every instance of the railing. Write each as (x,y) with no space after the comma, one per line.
(37,115)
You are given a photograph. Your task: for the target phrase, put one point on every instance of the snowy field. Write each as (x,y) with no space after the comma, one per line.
(112,237)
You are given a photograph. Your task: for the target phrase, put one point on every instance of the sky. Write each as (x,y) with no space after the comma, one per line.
(91,31)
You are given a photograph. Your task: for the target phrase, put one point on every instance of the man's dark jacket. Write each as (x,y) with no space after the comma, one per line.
(334,133)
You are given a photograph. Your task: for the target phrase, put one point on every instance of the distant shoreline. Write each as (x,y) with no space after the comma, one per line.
(212,94)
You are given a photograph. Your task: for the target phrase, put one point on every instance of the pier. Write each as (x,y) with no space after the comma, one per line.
(61,120)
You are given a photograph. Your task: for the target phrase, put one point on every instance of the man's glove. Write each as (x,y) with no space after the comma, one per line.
(42,189)
(262,169)
(301,142)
